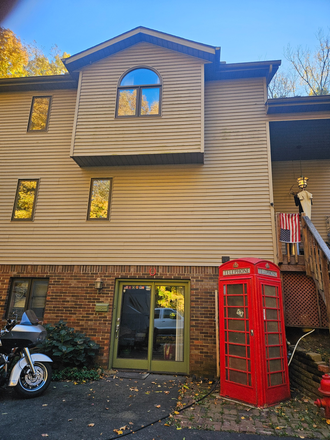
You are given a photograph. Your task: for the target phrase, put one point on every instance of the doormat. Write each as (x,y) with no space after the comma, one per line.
(132,375)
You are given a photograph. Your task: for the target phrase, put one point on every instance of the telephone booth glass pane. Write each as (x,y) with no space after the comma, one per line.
(237,338)
(273,335)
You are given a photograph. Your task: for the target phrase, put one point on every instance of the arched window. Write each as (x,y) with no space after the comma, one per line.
(139,94)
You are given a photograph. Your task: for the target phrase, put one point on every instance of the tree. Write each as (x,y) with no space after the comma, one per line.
(99,204)
(39,64)
(282,86)
(25,199)
(17,59)
(171,298)
(13,55)
(309,71)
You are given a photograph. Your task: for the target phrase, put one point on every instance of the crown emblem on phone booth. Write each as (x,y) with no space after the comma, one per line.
(235,265)
(267,266)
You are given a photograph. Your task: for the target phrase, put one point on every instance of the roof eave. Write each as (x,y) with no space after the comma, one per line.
(257,69)
(298,104)
(50,82)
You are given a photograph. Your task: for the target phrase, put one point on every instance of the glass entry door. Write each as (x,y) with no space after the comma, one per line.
(150,331)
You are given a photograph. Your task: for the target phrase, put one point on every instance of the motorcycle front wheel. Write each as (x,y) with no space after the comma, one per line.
(32,386)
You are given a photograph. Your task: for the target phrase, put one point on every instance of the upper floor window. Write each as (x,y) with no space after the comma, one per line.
(39,113)
(25,200)
(139,94)
(99,199)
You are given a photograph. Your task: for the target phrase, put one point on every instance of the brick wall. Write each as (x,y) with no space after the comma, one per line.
(72,296)
(306,371)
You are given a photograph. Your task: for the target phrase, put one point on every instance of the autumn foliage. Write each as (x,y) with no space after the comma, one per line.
(18,59)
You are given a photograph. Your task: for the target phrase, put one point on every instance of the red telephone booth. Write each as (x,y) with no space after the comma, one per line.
(253,356)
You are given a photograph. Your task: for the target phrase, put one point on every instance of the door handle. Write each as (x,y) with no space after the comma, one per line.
(117,327)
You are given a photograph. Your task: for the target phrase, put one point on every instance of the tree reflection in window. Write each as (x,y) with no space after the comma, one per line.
(39,113)
(25,199)
(139,94)
(99,199)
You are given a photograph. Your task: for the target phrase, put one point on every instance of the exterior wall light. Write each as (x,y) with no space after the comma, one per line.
(302,182)
(98,284)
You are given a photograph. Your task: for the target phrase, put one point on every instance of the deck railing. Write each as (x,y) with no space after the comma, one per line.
(316,256)
(317,259)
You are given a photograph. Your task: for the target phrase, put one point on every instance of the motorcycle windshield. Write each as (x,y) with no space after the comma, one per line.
(29,318)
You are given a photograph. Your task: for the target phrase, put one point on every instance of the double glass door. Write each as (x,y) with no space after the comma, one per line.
(151,327)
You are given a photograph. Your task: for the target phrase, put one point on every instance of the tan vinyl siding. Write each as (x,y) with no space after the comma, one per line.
(285,176)
(177,130)
(160,215)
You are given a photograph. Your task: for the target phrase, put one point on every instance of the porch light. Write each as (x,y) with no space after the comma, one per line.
(302,182)
(98,284)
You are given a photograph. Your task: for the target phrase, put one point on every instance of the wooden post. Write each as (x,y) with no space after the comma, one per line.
(326,283)
(305,238)
(296,252)
(279,243)
(288,252)
(217,331)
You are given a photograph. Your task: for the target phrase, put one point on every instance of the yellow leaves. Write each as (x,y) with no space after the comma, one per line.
(17,60)
(133,389)
(176,412)
(157,406)
(25,199)
(13,56)
(90,425)
(121,429)
(328,421)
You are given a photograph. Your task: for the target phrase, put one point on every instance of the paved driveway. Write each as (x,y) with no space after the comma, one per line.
(88,411)
(92,411)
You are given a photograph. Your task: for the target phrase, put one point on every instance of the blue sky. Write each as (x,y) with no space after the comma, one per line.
(246,30)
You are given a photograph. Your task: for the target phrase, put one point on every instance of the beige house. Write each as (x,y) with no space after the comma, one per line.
(126,182)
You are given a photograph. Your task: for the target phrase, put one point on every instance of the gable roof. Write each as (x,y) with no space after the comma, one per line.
(137,35)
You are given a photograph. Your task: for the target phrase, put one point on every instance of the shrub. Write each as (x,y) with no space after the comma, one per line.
(79,375)
(68,348)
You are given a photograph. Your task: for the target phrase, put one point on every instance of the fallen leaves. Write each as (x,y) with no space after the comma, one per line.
(121,429)
(90,425)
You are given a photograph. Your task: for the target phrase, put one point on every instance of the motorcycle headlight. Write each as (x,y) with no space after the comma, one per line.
(42,336)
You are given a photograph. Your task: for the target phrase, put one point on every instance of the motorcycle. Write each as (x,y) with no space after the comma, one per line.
(30,374)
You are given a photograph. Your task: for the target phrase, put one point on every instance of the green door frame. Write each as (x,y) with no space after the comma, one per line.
(163,366)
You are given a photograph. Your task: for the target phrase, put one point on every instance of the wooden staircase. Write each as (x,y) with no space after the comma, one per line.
(315,261)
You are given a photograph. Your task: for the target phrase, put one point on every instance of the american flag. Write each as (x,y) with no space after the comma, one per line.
(290,228)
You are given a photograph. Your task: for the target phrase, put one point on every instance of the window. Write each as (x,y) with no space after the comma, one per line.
(25,200)
(39,113)
(27,293)
(99,199)
(139,94)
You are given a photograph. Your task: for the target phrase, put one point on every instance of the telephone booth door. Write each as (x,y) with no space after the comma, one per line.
(237,351)
(274,341)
